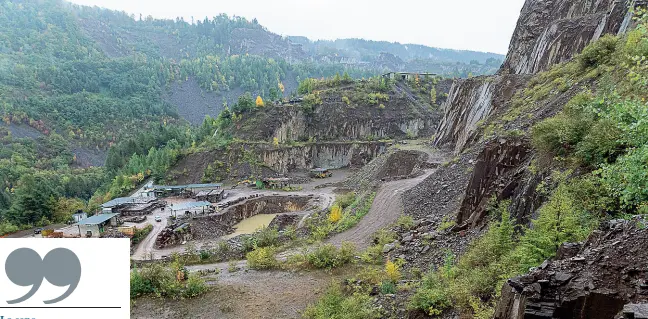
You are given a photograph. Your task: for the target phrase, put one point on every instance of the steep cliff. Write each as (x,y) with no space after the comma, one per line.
(553,31)
(469,103)
(500,159)
(350,112)
(330,155)
(548,32)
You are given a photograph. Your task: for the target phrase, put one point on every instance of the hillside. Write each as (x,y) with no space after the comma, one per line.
(538,211)
(335,123)
(520,193)
(402,57)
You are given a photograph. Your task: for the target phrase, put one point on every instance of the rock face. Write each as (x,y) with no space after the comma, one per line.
(593,280)
(327,155)
(492,175)
(469,102)
(298,127)
(553,31)
(548,32)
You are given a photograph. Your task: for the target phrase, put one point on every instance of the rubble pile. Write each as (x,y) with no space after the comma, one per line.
(172,235)
(605,277)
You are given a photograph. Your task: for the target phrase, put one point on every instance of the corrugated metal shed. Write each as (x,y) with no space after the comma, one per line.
(97,219)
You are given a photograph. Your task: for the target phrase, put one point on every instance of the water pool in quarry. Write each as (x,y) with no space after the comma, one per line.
(250,225)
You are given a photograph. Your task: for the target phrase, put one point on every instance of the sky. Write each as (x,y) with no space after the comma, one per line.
(480,25)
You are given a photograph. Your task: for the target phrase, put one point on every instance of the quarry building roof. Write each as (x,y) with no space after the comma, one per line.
(97,219)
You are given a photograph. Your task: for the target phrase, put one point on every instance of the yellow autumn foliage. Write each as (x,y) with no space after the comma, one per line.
(336,214)
(392,271)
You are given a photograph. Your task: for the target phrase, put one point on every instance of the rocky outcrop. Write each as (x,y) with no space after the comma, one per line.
(553,31)
(548,32)
(327,155)
(469,103)
(493,175)
(593,280)
(298,127)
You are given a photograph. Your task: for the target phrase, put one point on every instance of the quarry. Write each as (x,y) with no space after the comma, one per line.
(515,195)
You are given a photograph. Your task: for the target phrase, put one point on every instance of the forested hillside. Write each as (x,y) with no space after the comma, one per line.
(406,57)
(80,84)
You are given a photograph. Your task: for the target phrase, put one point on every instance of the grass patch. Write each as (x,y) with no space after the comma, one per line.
(337,304)
(169,282)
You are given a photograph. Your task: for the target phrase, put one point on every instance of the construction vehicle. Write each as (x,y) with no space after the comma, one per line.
(320,173)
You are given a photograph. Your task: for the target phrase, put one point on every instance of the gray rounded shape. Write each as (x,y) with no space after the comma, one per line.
(24,267)
(61,267)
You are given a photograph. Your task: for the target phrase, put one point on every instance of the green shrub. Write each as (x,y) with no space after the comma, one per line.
(559,135)
(328,256)
(262,258)
(601,144)
(141,234)
(479,272)
(165,282)
(405,222)
(336,305)
(562,219)
(204,255)
(431,297)
(376,98)
(8,228)
(627,179)
(373,255)
(355,212)
(194,287)
(384,236)
(447,222)
(345,200)
(387,287)
(598,52)
(267,236)
(312,100)
(306,86)
(263,237)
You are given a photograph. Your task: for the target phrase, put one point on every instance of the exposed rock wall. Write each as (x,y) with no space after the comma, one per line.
(469,103)
(338,122)
(493,175)
(327,155)
(553,31)
(548,32)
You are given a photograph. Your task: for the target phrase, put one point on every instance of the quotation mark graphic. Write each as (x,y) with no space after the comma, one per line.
(61,267)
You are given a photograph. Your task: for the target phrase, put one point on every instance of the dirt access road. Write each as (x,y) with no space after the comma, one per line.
(388,203)
(385,210)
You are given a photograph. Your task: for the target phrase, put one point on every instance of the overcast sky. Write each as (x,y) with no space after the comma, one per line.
(481,25)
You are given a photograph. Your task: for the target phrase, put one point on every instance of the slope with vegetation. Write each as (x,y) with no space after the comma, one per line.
(552,158)
(587,130)
(77,81)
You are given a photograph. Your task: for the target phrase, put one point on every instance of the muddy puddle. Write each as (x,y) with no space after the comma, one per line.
(252,224)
